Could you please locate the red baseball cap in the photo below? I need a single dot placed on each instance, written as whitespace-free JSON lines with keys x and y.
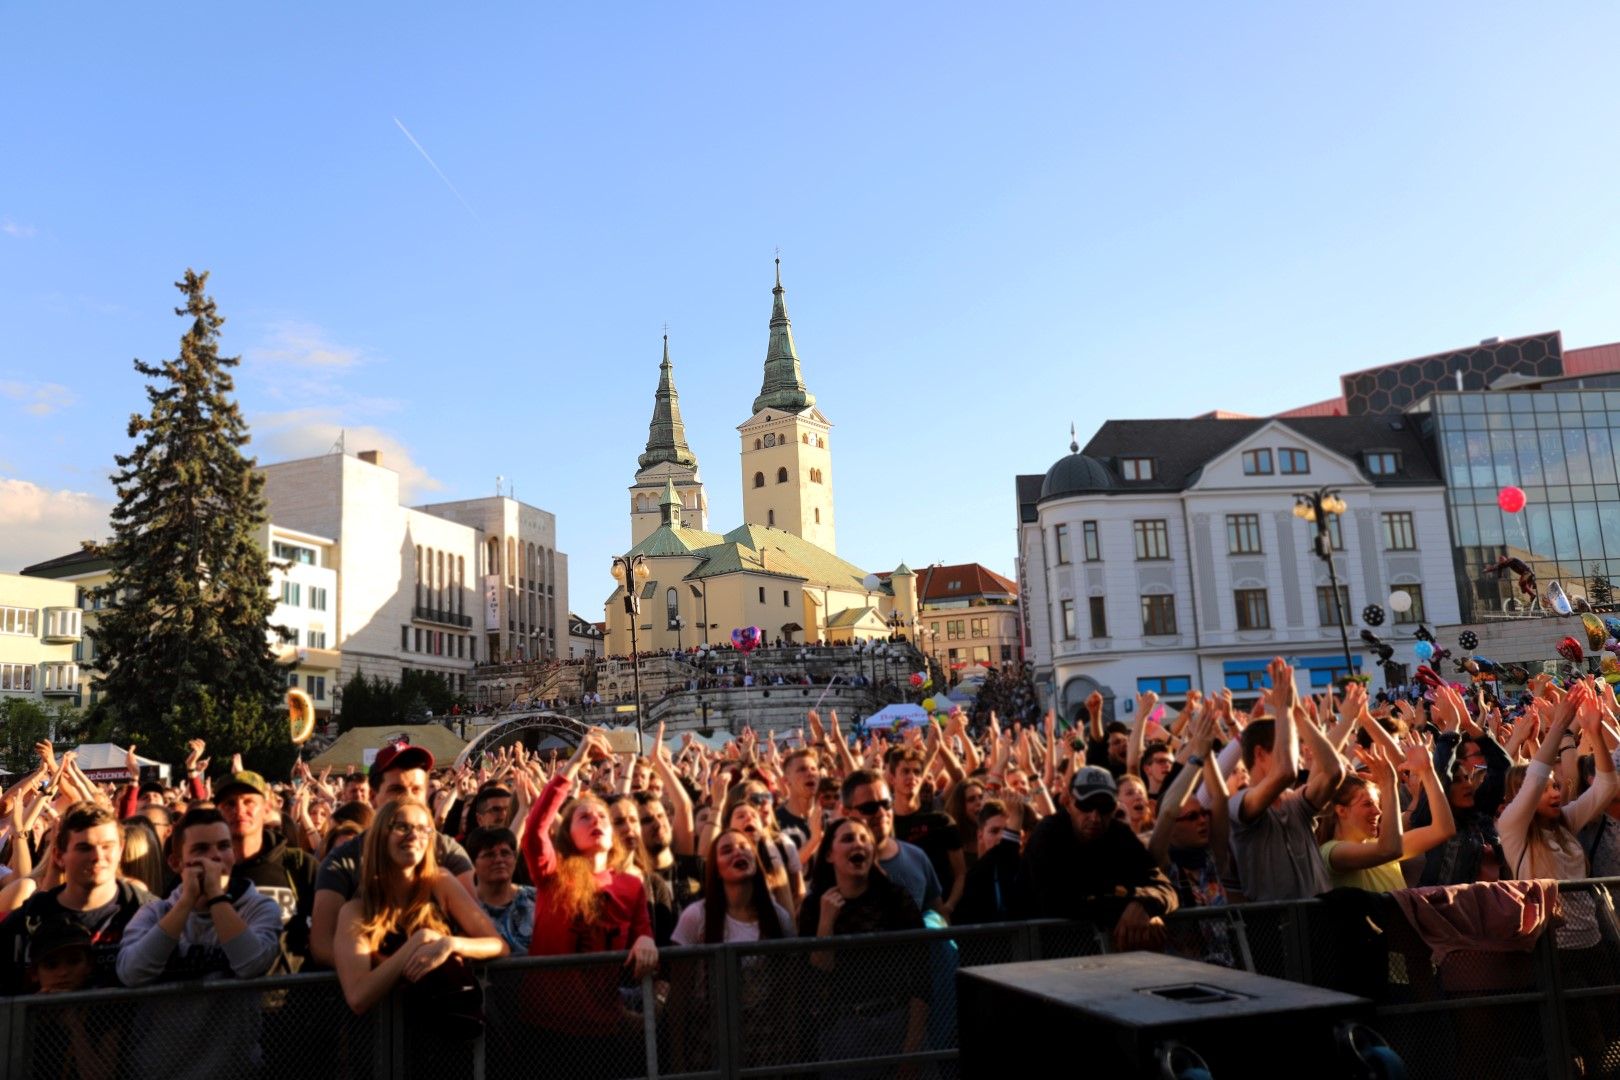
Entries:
{"x":399,"y":754}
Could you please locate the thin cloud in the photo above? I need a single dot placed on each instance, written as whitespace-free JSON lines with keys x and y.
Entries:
{"x":17,"y":229}
{"x":305,"y":346}
{"x":314,"y":432}
{"x":39,"y":399}
{"x":37,"y":523}
{"x":425,"y":157}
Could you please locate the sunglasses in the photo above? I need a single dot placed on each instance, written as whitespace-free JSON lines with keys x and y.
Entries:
{"x":1100,"y":804}
{"x":867,"y":809}
{"x":762,"y":798}
{"x":1192,"y":816}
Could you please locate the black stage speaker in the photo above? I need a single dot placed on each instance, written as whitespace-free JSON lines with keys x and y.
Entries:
{"x":1119,"y":1015}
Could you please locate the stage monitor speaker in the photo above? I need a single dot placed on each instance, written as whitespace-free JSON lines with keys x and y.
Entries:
{"x":1117,"y":1015}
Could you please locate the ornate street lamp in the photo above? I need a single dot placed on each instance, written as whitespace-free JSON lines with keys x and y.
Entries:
{"x":630,"y":571}
{"x":1315,"y":507}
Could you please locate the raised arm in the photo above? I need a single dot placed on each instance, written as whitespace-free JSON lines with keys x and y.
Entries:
{"x":1327,"y":767}
{"x":1387,"y":848}
{"x":682,"y":832}
{"x":1282,"y":697}
{"x":1440,"y":826}
{"x":1145,"y":703}
{"x":1179,"y":794}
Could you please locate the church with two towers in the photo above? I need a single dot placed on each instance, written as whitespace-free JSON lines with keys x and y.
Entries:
{"x":779,"y":570}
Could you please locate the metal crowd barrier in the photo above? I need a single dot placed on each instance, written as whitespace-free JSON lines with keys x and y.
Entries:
{"x":853,"y":1006}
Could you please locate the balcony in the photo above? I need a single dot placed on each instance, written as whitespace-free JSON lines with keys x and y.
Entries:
{"x":59,"y":678}
{"x":443,"y":618}
{"x":63,"y":625}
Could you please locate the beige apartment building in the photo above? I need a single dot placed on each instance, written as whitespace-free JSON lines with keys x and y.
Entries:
{"x":969,"y":617}
{"x":40,"y":626}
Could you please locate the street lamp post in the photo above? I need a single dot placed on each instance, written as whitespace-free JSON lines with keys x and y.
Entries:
{"x":678,"y":622}
{"x":1315,"y":507}
{"x":630,"y":571}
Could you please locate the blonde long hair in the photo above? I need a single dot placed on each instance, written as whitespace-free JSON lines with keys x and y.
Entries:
{"x":383,"y":882}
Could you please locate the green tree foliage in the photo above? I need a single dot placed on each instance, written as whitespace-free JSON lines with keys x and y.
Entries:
{"x":377,"y":702}
{"x":24,"y":723}
{"x":1599,"y":590}
{"x":184,"y":649}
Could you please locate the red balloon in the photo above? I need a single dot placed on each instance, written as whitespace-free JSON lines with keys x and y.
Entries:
{"x":1510,"y":499}
{"x":1570,"y":650}
{"x":916,"y":680}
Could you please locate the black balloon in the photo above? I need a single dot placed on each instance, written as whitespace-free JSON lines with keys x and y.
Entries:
{"x":1372,"y":615}
{"x":1422,"y":634}
{"x":1469,"y":640}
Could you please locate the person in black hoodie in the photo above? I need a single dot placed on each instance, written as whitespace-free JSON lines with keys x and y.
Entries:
{"x":1085,"y":864}
{"x":992,"y":880}
{"x":281,"y":871}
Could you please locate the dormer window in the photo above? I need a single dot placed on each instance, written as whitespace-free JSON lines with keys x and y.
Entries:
{"x":1257,"y":462}
{"x":1294,"y":462}
{"x":1136,"y":468}
{"x":1383,"y":462}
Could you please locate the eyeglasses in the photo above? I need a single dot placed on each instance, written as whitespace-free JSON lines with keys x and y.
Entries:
{"x":1192,"y":816}
{"x":1101,"y":804}
{"x":761,"y":798}
{"x":405,"y":828}
{"x":872,"y":806}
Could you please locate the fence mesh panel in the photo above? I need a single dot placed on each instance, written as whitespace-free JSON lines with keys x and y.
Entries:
{"x":582,"y":1020}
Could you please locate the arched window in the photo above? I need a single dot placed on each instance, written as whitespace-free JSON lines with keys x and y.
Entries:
{"x":758,"y":445}
{"x":820,"y":442}
{"x":781,"y":476}
{"x":806,"y":438}
{"x":759,"y":479}
{"x":672,"y":606}
{"x":770,"y":517}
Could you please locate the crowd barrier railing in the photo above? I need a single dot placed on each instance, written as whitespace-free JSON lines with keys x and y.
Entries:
{"x":862,"y":1005}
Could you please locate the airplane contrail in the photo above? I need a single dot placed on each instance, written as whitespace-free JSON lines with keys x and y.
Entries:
{"x":428,"y":158}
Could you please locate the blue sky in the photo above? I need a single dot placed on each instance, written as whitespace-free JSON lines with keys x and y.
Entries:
{"x":993,"y":222}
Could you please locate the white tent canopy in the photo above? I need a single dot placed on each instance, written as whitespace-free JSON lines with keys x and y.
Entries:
{"x":105,"y":761}
{"x":902,"y":714}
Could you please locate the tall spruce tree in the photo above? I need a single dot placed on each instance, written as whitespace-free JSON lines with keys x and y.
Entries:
{"x":184,"y":652}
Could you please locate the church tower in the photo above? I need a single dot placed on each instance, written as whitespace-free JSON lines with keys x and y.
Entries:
{"x":786,"y":453}
{"x":668,"y":465}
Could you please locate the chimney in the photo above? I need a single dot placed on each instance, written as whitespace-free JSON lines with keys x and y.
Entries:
{"x":372,"y":457}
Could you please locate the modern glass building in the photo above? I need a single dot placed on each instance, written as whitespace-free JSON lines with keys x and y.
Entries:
{"x":1558,"y":439}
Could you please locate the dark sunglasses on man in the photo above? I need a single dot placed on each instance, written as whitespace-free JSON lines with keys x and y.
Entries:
{"x":872,"y":806}
{"x":1097,"y":804}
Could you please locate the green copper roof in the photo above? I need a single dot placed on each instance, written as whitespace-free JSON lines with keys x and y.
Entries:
{"x":903,"y":571}
{"x":783,"y":387}
{"x":666,"y":435}
{"x":674,"y":540}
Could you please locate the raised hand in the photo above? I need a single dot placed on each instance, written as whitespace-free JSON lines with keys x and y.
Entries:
{"x":194,"y":754}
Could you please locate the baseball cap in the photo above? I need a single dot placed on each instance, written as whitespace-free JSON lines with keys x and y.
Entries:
{"x":1090,"y":781}
{"x":55,"y":935}
{"x":399,"y":754}
{"x":245,"y":780}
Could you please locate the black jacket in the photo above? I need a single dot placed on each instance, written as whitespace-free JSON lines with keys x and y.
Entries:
{"x":991,"y":886}
{"x":286,"y":874}
{"x":1062,"y":878}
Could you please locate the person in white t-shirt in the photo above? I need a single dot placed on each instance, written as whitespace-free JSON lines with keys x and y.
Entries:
{"x":737,"y":903}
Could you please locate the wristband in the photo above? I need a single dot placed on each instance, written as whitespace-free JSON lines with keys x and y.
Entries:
{"x":220,"y":899}
{"x":1195,"y":760}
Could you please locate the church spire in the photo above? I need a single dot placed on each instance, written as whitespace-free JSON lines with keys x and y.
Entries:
{"x":666,"y":434}
{"x":783,"y":387}
{"x":670,"y":505}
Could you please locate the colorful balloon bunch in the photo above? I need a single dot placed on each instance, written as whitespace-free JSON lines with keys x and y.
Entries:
{"x":748,"y":638}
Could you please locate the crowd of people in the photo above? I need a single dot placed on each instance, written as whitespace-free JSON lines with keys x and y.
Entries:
{"x":402,"y":877}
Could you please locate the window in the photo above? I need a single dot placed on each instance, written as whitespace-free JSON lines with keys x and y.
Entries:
{"x":805,"y":438}
{"x":316,"y":639}
{"x":1165,"y":685}
{"x":785,"y":601}
{"x":317,"y":598}
{"x":981,"y":654}
{"x":1136,"y":468}
{"x":290,"y":592}
{"x":955,"y":629}
{"x":1293,"y":462}
{"x":19,"y":620}
{"x":672,"y":607}
{"x":292,"y":680}
{"x":1257,"y":463}
{"x":758,"y":445}
{"x":404,"y":638}
{"x":1415,"y":613}
{"x":288,"y":637}
{"x":461,"y":646}
{"x":1253,"y":609}
{"x":418,"y":641}
{"x":1327,"y":613}
{"x":1090,"y":541}
{"x":781,"y":476}
{"x":293,"y":553}
{"x":770,"y":517}
{"x":17,"y":677}
{"x":818,"y":515}
{"x":1068,"y":620}
{"x":317,"y":686}
{"x":1158,"y":615}
{"x":1099,"y":616}
{"x":1399,"y":535}
{"x":1335,"y":533}
{"x":1062,"y":538}
{"x":1243,"y":534}
{"x":759,"y":479}
{"x":762,"y":594}
{"x":979,"y":627}
{"x":1383,"y":463}
{"x":1152,"y":539}
{"x":815,"y":476}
